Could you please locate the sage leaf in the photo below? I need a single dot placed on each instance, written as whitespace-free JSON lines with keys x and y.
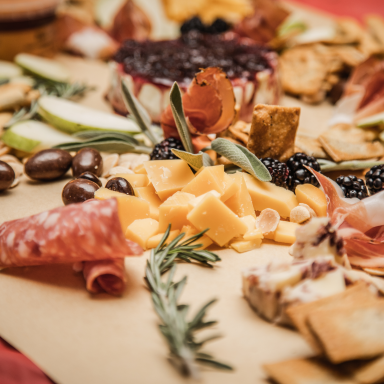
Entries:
{"x":138,"y":111}
{"x":101,"y":135}
{"x":196,"y":161}
{"x":115,"y":146}
{"x":241,"y":157}
{"x":328,"y":166}
{"x":178,"y":115}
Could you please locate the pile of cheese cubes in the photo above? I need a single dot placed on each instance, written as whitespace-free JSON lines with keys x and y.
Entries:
{"x":168,"y":192}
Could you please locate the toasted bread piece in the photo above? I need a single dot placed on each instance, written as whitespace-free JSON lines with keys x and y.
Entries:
{"x":350,"y":332}
{"x":299,"y":313}
{"x":273,"y":131}
{"x":306,"y":371}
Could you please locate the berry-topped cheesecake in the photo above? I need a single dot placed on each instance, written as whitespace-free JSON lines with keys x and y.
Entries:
{"x":151,"y":67}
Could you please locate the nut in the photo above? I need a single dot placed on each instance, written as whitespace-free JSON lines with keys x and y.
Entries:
{"x":267,"y":221}
{"x":299,"y":215}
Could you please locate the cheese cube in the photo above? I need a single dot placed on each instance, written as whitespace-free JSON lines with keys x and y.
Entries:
{"x":140,"y":169}
{"x":250,"y":222}
{"x":197,"y":200}
{"x":135,"y":180}
{"x":286,"y":232}
{"x":149,"y":194}
{"x":267,"y":195}
{"x":155,"y":240}
{"x":210,"y":178}
{"x":174,"y":211}
{"x":190,"y":231}
{"x":168,"y":176}
{"x":230,"y":187}
{"x":241,"y":246}
{"x":223,"y":224}
{"x":240,"y":203}
{"x":254,"y":235}
{"x":130,"y":208}
{"x":312,"y":196}
{"x":141,"y":230}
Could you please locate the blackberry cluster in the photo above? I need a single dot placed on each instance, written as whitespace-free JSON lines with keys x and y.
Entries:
{"x":279,"y":171}
{"x":375,"y":179}
{"x":352,"y":186}
{"x":298,"y":174}
{"x":195,"y":24}
{"x":162,"y":151}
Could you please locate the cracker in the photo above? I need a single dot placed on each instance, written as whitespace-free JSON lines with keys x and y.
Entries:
{"x":299,"y":313}
{"x":306,"y":371}
{"x":238,"y":134}
{"x":345,"y":142}
{"x":350,"y":332}
{"x":376,"y":28}
{"x":273,"y":131}
{"x":310,"y":146}
{"x":370,"y":372}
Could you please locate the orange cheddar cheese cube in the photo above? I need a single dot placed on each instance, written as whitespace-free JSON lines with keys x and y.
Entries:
{"x":223,"y":224}
{"x":174,"y":211}
{"x":230,"y":188}
{"x":267,"y":195}
{"x":240,"y":203}
{"x":136,"y":181}
{"x":241,"y":246}
{"x":286,"y":232}
{"x":130,"y":208}
{"x":149,"y":194}
{"x":190,"y":231}
{"x":154,"y":241}
{"x":140,"y":169}
{"x":168,"y":176}
{"x":141,"y":230}
{"x":312,"y":196}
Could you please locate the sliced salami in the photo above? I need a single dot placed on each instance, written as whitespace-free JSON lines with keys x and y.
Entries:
{"x":77,"y":232}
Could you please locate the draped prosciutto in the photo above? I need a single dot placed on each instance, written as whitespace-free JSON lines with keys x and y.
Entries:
{"x":89,"y":232}
{"x":209,"y":107}
{"x":359,"y":222}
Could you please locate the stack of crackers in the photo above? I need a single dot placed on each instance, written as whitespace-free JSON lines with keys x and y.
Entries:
{"x":345,"y":330}
{"x":310,"y":70}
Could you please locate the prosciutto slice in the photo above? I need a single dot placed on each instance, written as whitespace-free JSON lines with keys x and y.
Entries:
{"x":209,"y":107}
{"x":359,"y":222}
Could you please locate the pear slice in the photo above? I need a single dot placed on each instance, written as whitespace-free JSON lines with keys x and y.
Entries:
{"x":370,"y":121}
{"x":72,"y":117}
{"x":33,"y":136}
{"x":9,"y":70}
{"x":46,"y":68}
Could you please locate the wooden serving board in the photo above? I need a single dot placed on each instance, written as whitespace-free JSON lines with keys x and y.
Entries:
{"x":76,"y":337}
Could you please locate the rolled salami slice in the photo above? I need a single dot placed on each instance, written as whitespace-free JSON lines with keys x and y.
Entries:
{"x":76,"y":232}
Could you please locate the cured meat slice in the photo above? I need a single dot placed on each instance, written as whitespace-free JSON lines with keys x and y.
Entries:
{"x":209,"y":106}
{"x":78,"y":232}
{"x":360,"y":224}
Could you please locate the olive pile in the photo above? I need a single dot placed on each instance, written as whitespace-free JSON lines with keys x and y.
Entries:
{"x":7,"y":176}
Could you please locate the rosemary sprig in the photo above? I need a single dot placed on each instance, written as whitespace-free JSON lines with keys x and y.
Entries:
{"x":178,"y":332}
{"x":51,"y":88}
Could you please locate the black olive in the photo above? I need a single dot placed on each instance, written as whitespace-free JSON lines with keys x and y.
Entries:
{"x":7,"y":176}
{"x":92,"y":177}
{"x":119,"y":184}
{"x":78,"y":191}
{"x":87,"y":160}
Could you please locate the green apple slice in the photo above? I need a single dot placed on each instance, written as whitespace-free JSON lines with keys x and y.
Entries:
{"x":9,"y":70}
{"x":42,"y":67}
{"x":33,"y":136}
{"x":72,"y":117}
{"x":377,"y":119}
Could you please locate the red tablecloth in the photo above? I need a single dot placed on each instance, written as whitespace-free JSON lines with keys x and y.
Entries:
{"x":15,"y":368}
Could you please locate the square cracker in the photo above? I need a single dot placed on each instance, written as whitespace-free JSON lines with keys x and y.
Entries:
{"x":344,"y":142}
{"x":350,"y":332}
{"x":299,"y":313}
{"x":306,"y":371}
{"x":310,"y":146}
{"x":273,"y":131}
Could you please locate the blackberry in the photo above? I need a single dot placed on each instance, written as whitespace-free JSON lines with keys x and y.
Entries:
{"x":162,"y":151}
{"x":352,"y":186}
{"x":279,"y":171}
{"x":195,"y":24}
{"x":298,"y":174}
{"x":375,"y":179}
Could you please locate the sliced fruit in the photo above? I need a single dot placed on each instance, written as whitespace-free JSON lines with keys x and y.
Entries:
{"x":33,"y":136}
{"x":9,"y":70}
{"x":72,"y":117}
{"x":42,"y":67}
{"x":377,"y":119}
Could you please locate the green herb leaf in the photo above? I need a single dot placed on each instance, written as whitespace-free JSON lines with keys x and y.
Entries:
{"x":115,"y":146}
{"x":138,"y":112}
{"x":196,"y":161}
{"x":328,"y":166}
{"x":178,"y":115}
{"x":102,"y":135}
{"x":241,"y":157}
